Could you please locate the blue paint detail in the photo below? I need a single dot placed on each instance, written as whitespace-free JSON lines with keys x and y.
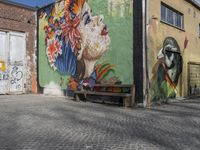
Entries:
{"x":62,"y":20}
{"x":66,"y":62}
{"x":93,"y":75}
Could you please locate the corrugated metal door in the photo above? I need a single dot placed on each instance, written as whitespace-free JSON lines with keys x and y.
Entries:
{"x":17,"y":49}
{"x":4,"y":69}
{"x":12,"y":62}
{"x":194,"y":79}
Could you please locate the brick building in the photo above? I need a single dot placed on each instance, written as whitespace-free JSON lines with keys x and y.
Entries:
{"x":17,"y":48}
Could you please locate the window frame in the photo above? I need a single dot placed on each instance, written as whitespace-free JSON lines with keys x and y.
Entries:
{"x":174,"y":11}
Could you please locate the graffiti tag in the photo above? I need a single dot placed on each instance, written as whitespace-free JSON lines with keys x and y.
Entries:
{"x":16,"y":76}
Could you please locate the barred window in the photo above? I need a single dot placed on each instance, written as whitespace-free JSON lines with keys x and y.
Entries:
{"x":171,"y":16}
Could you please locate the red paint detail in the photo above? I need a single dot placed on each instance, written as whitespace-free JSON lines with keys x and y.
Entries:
{"x":104,"y":31}
{"x":103,"y":72}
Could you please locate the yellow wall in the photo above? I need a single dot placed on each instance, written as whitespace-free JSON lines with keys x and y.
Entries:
{"x":158,"y":31}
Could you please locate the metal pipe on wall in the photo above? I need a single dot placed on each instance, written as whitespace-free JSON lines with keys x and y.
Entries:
{"x":146,"y":59}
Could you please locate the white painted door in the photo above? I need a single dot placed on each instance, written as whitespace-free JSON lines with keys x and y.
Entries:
{"x":17,"y":51}
{"x":4,"y":70}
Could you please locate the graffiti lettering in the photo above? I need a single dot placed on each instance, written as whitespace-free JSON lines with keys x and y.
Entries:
{"x":16,"y":75}
{"x":18,"y":87}
{"x":4,"y":76}
{"x":2,"y":66}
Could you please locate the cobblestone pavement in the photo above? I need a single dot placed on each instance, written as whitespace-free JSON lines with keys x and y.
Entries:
{"x":36,"y":122}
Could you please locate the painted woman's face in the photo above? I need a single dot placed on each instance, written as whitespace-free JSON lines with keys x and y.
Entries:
{"x":94,"y":34}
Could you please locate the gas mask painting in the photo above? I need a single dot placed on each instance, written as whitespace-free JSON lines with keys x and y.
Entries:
{"x":166,"y":71}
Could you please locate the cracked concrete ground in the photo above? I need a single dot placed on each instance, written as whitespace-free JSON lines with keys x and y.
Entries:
{"x":36,"y":122}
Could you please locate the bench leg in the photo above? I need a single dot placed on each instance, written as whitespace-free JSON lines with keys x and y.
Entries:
{"x":85,"y":97}
{"x":77,"y":97}
{"x":80,"y":97}
{"x":126,"y":101}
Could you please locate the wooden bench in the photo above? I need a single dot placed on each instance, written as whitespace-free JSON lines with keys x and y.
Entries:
{"x":128,"y":97}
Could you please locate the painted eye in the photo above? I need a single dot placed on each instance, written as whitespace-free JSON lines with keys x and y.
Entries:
{"x":87,"y":20}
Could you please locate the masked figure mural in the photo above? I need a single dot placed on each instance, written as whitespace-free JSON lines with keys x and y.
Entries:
{"x":75,"y":41}
{"x":166,"y":71}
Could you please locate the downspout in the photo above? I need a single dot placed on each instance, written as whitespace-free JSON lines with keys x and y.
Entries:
{"x":146,"y":35}
{"x":39,"y":89}
{"x":36,"y":52}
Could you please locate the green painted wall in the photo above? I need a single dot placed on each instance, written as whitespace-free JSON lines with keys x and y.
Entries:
{"x":118,"y":15}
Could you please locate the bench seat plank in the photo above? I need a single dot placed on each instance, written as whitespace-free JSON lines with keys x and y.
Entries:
{"x":103,"y":93}
{"x":114,"y":85}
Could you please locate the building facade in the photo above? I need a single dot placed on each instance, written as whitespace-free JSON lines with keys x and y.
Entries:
{"x":152,"y":44}
{"x":171,"y":56}
{"x":18,"y":72}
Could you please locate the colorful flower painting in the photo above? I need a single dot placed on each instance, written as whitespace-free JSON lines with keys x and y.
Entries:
{"x":75,"y":41}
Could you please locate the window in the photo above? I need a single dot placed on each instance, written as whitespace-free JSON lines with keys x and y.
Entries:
{"x":171,"y":16}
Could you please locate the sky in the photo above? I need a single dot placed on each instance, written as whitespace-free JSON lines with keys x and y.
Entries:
{"x":34,"y":3}
{"x":40,"y":3}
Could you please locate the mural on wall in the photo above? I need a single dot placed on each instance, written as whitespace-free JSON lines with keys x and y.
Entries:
{"x":166,"y":71}
{"x":75,"y":40}
{"x":75,"y":47}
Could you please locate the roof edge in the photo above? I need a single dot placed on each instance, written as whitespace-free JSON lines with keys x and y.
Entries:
{"x":18,"y":5}
{"x":194,"y":3}
{"x":47,"y":5}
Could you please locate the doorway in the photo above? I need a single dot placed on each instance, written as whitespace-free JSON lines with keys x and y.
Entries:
{"x":194,"y":79}
{"x":12,"y":62}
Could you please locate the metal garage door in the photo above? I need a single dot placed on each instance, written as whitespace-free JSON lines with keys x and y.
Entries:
{"x":194,"y":78}
{"x":12,"y":62}
{"x":4,"y":72}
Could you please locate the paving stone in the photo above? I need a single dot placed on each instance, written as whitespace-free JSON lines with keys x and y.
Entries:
{"x":37,"y":122}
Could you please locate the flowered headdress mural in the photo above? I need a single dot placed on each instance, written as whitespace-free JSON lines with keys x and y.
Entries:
{"x":75,"y":39}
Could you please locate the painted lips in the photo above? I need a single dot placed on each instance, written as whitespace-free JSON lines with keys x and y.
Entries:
{"x":104,"y":31}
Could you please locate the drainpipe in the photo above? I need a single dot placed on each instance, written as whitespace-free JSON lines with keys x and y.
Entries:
{"x":146,"y":59}
{"x":39,"y":88}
